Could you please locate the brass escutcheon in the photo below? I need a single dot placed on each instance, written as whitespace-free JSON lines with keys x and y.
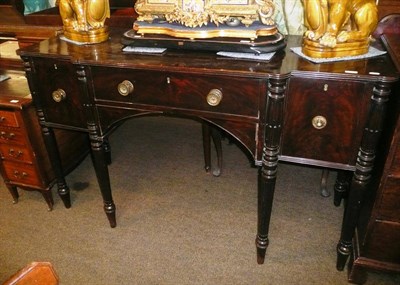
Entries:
{"x":319,"y":122}
{"x":59,"y":95}
{"x":125,"y":88}
{"x":214,"y":97}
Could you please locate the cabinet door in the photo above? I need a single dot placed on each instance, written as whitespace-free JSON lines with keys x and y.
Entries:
{"x":58,"y":92}
{"x":324,"y":119}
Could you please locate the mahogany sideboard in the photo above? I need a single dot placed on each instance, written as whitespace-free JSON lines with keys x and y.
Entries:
{"x":287,"y":109}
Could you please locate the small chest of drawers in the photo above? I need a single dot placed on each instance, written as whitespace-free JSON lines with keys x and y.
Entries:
{"x":24,"y":160}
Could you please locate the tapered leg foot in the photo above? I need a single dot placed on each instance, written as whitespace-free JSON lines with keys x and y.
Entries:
{"x":343,"y":252}
{"x":261,"y":244}
{"x":65,"y":196}
{"x":48,"y":197}
{"x":109,"y":209}
{"x":14,"y":193}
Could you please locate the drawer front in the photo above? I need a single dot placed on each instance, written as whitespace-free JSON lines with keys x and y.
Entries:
{"x":15,"y":152}
{"x":395,"y":169}
{"x":383,"y":243}
{"x":56,"y":79}
{"x":389,"y":205}
{"x":8,"y":119}
{"x":324,"y":119}
{"x":182,"y":91}
{"x":21,"y":173}
{"x":11,"y":136}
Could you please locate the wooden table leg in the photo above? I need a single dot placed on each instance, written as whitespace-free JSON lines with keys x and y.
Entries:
{"x":266,"y":188}
{"x":364,"y":167}
{"x":341,"y":188}
{"x":212,"y":132}
{"x":52,"y":149}
{"x":100,"y":163}
{"x":267,"y":173}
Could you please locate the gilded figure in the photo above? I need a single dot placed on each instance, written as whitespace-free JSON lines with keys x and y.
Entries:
{"x":84,"y":20}
{"x":340,"y":24}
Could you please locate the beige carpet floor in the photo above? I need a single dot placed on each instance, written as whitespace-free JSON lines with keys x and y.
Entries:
{"x":176,"y":224}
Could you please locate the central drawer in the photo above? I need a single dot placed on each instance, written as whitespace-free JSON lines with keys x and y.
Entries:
{"x":222,"y":94}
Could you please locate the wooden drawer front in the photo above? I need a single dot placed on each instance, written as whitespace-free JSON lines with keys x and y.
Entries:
{"x":341,"y":103}
{"x":15,"y":152}
{"x":389,"y":207}
{"x":175,"y":90}
{"x":21,"y":173}
{"x":383,"y":243}
{"x":56,"y":76}
{"x":8,"y":119}
{"x":11,"y":136}
{"x":395,"y":169}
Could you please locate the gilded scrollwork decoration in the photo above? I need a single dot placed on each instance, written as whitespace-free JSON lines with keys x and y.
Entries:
{"x":227,"y":16}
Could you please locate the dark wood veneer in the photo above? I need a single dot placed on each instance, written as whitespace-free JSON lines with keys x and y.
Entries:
{"x":266,"y":106}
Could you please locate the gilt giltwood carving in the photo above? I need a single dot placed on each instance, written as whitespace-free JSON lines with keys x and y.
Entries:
{"x":337,"y":28}
{"x":206,"y":18}
{"x":83,"y":20}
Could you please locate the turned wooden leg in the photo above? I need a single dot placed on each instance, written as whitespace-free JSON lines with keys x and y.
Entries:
{"x":266,"y":188}
{"x":268,"y":170}
{"x":100,"y":163}
{"x":48,"y":197}
{"x":208,"y":133}
{"x":341,"y":187}
{"x":107,"y":151}
{"x":362,"y":174}
{"x":14,"y":193}
{"x":324,"y":181}
{"x":206,"y":146}
{"x":52,"y":149}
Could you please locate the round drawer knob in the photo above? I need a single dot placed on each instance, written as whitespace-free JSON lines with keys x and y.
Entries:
{"x":59,"y":95}
{"x":319,"y":122}
{"x":125,"y":88}
{"x":214,"y":97}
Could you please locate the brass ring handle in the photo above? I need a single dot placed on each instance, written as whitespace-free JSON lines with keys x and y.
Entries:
{"x":125,"y":88}
{"x":20,"y":175}
{"x":12,"y":152}
{"x":214,"y":97}
{"x":4,"y":135}
{"x":319,"y":122}
{"x":59,"y":95}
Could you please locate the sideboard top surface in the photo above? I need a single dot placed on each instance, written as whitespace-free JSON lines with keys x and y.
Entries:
{"x":282,"y":63}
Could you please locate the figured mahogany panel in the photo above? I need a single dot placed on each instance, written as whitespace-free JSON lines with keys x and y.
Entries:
{"x":55,"y":75}
{"x":179,"y":91}
{"x":342,"y":103}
